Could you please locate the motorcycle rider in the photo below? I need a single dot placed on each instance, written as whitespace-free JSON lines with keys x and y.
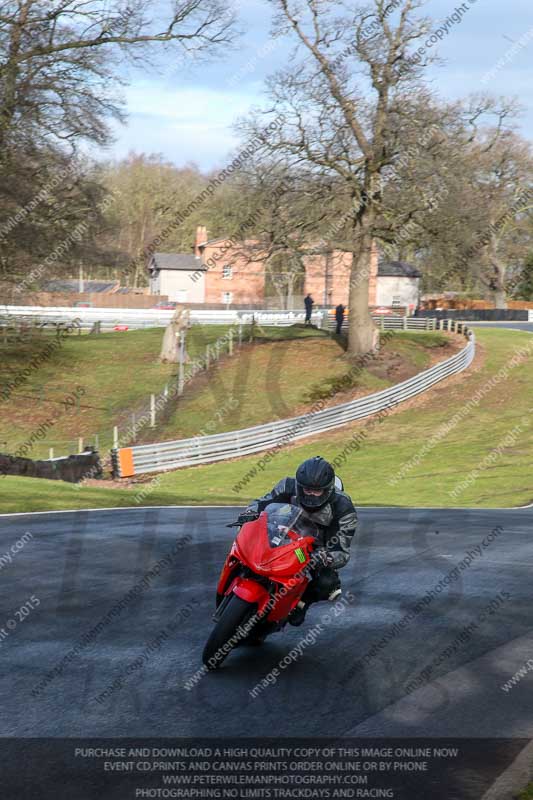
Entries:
{"x":313,"y":489}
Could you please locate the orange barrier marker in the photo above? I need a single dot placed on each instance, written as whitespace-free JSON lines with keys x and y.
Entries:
{"x":125,"y":462}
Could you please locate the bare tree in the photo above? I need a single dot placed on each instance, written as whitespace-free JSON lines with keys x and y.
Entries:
{"x":61,"y":69}
{"x":480,"y":223}
{"x":503,"y":177}
{"x":58,"y":59}
{"x":286,"y":208}
{"x":151,"y":189}
{"x":343,"y":105}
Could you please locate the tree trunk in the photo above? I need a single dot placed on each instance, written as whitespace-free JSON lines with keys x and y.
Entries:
{"x":498,"y":270}
{"x":140,"y":261}
{"x":290,"y":293}
{"x":363,"y":336}
{"x":170,"y":347}
{"x":279,"y":288}
{"x":10,"y":76}
{"x":500,"y":298}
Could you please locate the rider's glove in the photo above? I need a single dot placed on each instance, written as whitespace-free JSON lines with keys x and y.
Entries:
{"x":321,"y":558}
{"x":247,"y":516}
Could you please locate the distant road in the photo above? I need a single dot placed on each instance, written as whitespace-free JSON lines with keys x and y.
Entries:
{"x":516,"y":326}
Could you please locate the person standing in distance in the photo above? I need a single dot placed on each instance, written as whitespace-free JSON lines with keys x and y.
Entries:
{"x":339,"y":317}
{"x":309,"y":303}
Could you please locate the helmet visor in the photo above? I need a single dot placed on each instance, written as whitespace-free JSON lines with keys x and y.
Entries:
{"x":313,"y":496}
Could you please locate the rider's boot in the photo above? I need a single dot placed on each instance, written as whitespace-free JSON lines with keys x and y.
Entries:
{"x":297,"y":615}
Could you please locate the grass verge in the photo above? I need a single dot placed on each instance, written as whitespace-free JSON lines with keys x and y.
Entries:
{"x":116,"y":373}
{"x":371,"y":467}
{"x":283,"y":377}
{"x":110,"y":378}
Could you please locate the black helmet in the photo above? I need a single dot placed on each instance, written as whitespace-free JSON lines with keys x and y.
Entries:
{"x":315,"y":482}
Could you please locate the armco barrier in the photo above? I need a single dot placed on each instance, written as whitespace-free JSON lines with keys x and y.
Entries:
{"x":146,"y":458}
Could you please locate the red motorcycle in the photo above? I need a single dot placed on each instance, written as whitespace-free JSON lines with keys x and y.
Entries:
{"x":263,"y":579}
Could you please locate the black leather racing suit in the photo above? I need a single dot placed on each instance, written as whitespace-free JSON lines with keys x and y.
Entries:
{"x":337,"y":521}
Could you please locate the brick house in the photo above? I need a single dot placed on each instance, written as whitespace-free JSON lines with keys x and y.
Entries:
{"x":216,"y":273}
{"x":221,"y":272}
{"x":327,"y":277}
{"x":231,"y":277}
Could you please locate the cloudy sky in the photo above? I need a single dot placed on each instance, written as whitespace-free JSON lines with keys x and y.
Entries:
{"x":185,"y":111}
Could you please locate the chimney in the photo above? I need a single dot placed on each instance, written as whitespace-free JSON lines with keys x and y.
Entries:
{"x":201,"y":238}
{"x":373,"y":279}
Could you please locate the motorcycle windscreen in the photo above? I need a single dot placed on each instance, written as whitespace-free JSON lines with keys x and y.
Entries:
{"x":282,"y":518}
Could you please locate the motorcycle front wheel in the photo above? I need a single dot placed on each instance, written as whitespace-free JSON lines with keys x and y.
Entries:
{"x":231,"y":629}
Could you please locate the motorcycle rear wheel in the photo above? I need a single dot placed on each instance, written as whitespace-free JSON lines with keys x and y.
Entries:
{"x":224,"y":636}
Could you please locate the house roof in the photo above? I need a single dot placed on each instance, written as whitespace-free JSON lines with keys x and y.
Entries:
{"x":397,"y":269}
{"x":184,"y":261}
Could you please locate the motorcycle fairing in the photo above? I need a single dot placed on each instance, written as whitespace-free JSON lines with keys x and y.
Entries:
{"x":253,"y":548}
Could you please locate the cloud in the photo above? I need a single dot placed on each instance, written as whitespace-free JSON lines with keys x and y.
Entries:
{"x":185,"y":124}
{"x":187,"y":112}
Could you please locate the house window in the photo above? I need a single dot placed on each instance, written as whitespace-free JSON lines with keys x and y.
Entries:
{"x":227,"y":297}
{"x":396,"y":301}
{"x":227,"y":271}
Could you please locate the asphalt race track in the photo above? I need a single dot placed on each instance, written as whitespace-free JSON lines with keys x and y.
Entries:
{"x":516,"y":326}
{"x":80,"y":565}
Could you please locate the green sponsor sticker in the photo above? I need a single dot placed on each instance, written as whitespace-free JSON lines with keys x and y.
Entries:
{"x":300,"y":555}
